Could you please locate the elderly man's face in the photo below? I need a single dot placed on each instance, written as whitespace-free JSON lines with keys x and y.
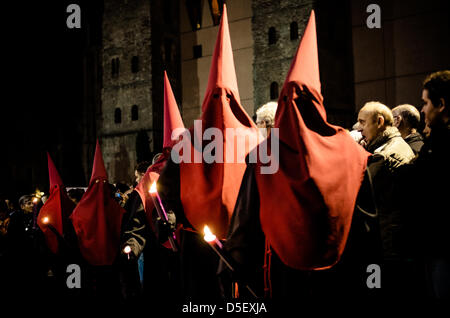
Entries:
{"x":368,"y":125}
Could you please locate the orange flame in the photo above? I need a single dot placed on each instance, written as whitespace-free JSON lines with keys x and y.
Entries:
{"x":209,"y":236}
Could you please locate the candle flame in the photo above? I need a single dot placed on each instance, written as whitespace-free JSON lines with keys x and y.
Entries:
{"x":209,"y":236}
{"x":45,"y":220}
{"x":127,"y":249}
{"x":153,"y":187}
{"x":35,"y":200}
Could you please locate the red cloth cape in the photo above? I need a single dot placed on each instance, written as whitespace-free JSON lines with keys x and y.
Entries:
{"x":209,"y":190}
{"x":56,"y":209}
{"x":98,"y":217}
{"x":306,"y":207}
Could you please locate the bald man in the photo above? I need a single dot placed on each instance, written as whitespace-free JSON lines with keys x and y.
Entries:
{"x":378,"y":195}
{"x":407,"y":120}
{"x":376,"y":124}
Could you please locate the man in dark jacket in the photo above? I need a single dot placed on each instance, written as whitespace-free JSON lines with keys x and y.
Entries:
{"x":432,"y":170}
{"x":390,"y":152}
{"x":407,"y":121}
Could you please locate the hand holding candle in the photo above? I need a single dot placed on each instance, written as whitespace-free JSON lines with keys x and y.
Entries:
{"x":162,"y":213}
{"x":217,"y":246}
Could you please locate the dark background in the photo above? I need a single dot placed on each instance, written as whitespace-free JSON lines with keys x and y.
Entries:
{"x":43,"y":91}
{"x":50,"y":85}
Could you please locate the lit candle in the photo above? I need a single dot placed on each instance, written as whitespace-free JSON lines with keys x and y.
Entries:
{"x":162,"y":213}
{"x":45,"y":220}
{"x":215,"y":245}
{"x":127,"y":250}
{"x":210,"y":237}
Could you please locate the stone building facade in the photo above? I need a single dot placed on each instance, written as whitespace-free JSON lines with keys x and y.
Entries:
{"x":126,"y":119}
{"x":357,"y":64}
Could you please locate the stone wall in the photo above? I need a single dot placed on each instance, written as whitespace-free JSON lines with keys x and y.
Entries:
{"x":126,"y":34}
{"x":272,"y":61}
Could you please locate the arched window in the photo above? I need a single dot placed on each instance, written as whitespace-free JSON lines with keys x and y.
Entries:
{"x":135,"y":64}
{"x":274,"y":90}
{"x":134,"y":112}
{"x":115,"y":65}
{"x":216,"y":7}
{"x":117,"y":116}
{"x":272,"y":35}
{"x":294,"y":30}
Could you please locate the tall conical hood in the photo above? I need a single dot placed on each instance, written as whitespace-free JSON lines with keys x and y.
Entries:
{"x":172,"y":121}
{"x":209,"y":189}
{"x":305,"y":66}
{"x":320,"y":172}
{"x":54,"y":178}
{"x":172,"y":117}
{"x":54,"y":215}
{"x":98,"y":168}
{"x":98,"y":217}
{"x":222,"y":72}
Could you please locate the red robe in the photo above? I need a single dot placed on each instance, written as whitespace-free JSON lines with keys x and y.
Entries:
{"x":56,"y":210}
{"x":97,"y":218}
{"x":306,"y":207}
{"x":209,"y":190}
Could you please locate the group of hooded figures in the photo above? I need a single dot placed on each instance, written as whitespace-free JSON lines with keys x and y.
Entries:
{"x":308,"y":231}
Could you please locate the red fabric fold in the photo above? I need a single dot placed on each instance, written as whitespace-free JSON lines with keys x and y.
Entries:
{"x":320,"y":171}
{"x":172,"y":121}
{"x":209,"y":190}
{"x":56,"y":210}
{"x":97,"y":218}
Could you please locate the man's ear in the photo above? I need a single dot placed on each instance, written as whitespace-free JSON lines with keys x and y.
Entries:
{"x":380,"y":121}
{"x":441,"y":104}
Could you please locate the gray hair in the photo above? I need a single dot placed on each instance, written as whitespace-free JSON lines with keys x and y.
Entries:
{"x":409,"y":114}
{"x":266,"y":113}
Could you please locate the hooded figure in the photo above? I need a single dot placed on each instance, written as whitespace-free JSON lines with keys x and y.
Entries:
{"x":302,"y":211}
{"x":172,"y":121}
{"x":159,"y":270}
{"x":321,"y":171}
{"x":209,"y":190}
{"x":204,"y":193}
{"x":54,"y":215}
{"x":97,"y":218}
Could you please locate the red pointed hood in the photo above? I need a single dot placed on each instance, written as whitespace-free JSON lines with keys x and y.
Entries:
{"x":97,"y":218}
{"x":172,"y":117}
{"x":209,"y":190}
{"x":55,"y":179}
{"x":320,"y":172}
{"x":304,"y":68}
{"x":56,"y":210}
{"x":172,"y":121}
{"x":98,"y":168}
{"x":222,"y":72}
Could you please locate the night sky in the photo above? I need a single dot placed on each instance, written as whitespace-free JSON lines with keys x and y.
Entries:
{"x":43,"y":86}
